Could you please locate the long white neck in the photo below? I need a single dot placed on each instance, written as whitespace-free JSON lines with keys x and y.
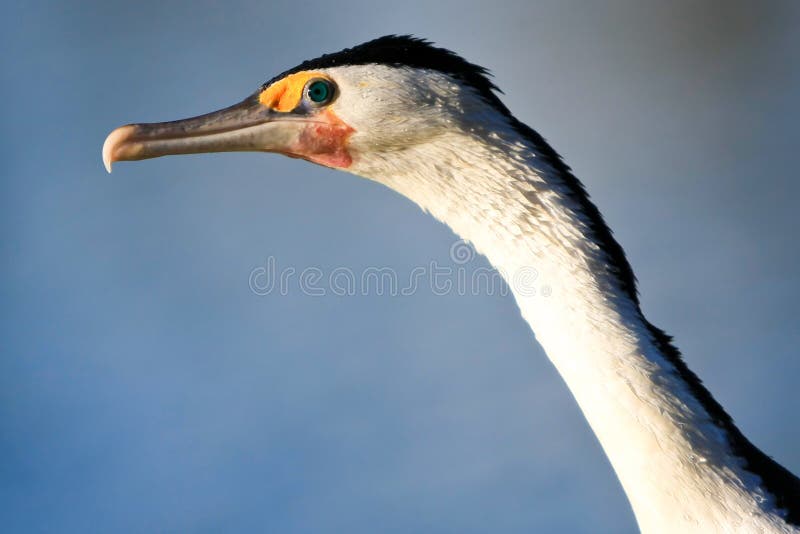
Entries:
{"x":516,"y":206}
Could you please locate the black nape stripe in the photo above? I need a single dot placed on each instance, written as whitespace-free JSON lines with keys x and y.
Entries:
{"x":412,"y":52}
{"x":775,"y":479}
{"x":782,"y":484}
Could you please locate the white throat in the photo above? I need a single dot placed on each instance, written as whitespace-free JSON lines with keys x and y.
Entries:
{"x":675,"y":464}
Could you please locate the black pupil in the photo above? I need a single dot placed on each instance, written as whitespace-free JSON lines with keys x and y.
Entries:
{"x":318,"y":91}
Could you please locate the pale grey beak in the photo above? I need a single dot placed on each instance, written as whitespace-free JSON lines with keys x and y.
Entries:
{"x":246,"y":126}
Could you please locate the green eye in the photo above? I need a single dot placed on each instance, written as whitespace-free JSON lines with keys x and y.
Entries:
{"x":320,"y":91}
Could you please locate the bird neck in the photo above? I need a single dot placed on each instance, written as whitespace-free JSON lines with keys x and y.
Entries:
{"x":511,"y":196}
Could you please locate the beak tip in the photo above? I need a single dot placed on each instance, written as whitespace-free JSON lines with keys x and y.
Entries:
{"x":114,"y":140}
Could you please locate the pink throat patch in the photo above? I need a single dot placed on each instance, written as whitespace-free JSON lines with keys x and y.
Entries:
{"x":325,"y":143}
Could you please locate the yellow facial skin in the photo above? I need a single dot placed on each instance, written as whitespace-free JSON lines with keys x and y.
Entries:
{"x":286,"y":94}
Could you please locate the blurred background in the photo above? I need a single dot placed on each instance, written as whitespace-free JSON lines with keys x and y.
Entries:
{"x":143,"y":385}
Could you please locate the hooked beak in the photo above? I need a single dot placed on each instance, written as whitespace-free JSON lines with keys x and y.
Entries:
{"x":246,"y":126}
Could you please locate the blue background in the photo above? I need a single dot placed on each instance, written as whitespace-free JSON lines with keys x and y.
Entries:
{"x":144,"y":387}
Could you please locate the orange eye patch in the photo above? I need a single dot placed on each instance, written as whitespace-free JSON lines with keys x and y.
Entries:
{"x":286,"y":94}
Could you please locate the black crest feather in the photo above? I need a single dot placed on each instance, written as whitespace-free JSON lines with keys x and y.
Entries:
{"x":406,"y":51}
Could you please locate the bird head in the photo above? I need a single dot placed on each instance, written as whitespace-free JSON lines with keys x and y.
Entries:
{"x":349,"y":110}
